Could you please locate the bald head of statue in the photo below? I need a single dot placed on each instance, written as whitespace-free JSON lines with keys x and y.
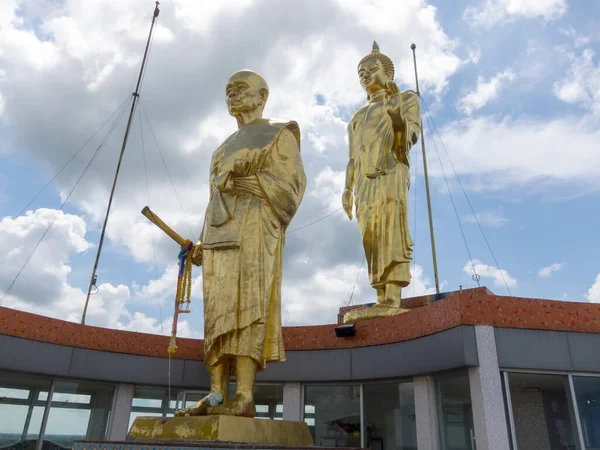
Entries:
{"x":246,"y":93}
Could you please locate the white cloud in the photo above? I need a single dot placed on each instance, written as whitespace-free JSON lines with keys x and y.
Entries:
{"x":43,"y":286}
{"x":582,"y":83}
{"x":484,"y":92}
{"x":593,"y":293}
{"x":492,"y":218}
{"x":493,"y":12}
{"x":578,"y":39}
{"x":501,"y":153}
{"x":203,"y":17}
{"x":328,"y":189}
{"x":500,"y":277}
{"x":318,"y":300}
{"x":545,"y":272}
{"x":142,"y":323}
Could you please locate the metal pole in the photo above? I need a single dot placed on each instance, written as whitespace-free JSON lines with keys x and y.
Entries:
{"x":135,"y":95}
{"x":435,"y":268}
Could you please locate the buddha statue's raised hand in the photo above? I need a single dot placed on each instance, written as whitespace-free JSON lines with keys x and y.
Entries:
{"x":393,"y":102}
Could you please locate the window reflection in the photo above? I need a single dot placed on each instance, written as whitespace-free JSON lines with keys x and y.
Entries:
{"x":79,"y":410}
{"x":21,"y":410}
{"x":587,"y":390}
{"x":332,"y":414}
{"x":455,"y":412}
{"x":389,"y":415}
{"x":269,"y":401}
{"x":156,"y":402}
{"x":542,"y":411}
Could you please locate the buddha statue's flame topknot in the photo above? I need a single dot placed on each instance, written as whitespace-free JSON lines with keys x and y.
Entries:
{"x":387,"y":63}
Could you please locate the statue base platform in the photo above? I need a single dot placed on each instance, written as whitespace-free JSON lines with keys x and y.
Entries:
{"x":372,"y":312}
{"x":221,"y":429}
{"x":153,"y":445}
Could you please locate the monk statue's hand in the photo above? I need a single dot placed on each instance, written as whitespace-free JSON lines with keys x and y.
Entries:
{"x":347,"y":200}
{"x":241,"y":168}
{"x":394,"y":107}
{"x":197,"y":254}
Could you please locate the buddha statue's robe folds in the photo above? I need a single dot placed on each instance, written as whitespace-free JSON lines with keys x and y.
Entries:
{"x":381,"y":183}
{"x":243,"y":240}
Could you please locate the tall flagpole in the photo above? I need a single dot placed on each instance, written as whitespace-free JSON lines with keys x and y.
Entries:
{"x":135,"y":96}
{"x":435,"y":268}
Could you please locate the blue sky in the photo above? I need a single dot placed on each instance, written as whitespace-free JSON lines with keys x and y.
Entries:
{"x":513,"y":88}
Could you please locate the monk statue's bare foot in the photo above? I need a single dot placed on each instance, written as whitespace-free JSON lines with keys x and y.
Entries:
{"x":240,"y":405}
{"x":201,"y":407}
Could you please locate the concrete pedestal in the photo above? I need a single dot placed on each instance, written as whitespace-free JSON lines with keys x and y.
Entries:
{"x":221,"y":429}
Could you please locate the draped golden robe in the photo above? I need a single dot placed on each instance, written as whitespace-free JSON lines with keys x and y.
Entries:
{"x":381,"y":183}
{"x":243,"y":241}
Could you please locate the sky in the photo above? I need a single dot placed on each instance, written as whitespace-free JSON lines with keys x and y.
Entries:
{"x":512,"y":121}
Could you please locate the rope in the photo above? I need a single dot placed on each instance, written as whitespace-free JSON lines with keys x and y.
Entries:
{"x":169,"y":385}
{"x":162,"y":331}
{"x":62,"y":205}
{"x":351,"y":293}
{"x":468,"y":200}
{"x":166,"y":168}
{"x":316,"y":221}
{"x":64,"y":166}
{"x":475,"y":276}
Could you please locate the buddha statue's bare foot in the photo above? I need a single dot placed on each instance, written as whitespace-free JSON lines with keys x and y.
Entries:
{"x":198,"y":409}
{"x":213,"y":399}
{"x":240,"y":405}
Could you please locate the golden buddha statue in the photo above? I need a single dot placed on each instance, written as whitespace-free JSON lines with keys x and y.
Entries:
{"x":380,"y":136}
{"x":257,"y":182}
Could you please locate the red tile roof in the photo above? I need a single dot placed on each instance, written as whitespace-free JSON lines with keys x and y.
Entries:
{"x":468,"y":307}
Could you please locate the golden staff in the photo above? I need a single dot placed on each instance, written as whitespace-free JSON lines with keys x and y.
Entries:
{"x":163,"y":226}
{"x":184,"y":278}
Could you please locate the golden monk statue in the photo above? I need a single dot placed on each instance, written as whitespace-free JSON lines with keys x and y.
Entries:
{"x":380,"y":136}
{"x":257,"y":182}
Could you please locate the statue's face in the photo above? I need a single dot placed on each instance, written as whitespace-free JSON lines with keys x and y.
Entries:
{"x":243,"y":93}
{"x":372,"y":75}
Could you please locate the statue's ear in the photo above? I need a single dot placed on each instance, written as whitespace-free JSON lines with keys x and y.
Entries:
{"x":264,"y":95}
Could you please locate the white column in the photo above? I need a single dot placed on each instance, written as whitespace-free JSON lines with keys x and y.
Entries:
{"x":293,"y":401}
{"x":428,"y":435}
{"x":489,"y":418}
{"x":121,"y":409}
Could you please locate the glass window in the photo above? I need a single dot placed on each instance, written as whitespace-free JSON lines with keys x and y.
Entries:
{"x":389,"y":416}
{"x":20,"y":410}
{"x":155,"y":402}
{"x":542,"y":411}
{"x":332,"y":414}
{"x":587,"y":390}
{"x":269,"y":401}
{"x":455,"y":413}
{"x":79,"y":410}
{"x":35,"y":424}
